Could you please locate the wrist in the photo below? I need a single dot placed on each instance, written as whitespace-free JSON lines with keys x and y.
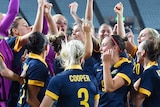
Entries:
{"x":73,"y":13}
{"x":120,"y":15}
{"x":88,"y":32}
{"x":47,"y":15}
{"x":107,"y":63}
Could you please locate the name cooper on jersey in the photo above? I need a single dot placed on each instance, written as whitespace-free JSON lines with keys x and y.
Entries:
{"x":79,"y":78}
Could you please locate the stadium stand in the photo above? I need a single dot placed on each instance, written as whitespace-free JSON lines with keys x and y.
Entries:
{"x":3,"y":6}
{"x":148,"y":11}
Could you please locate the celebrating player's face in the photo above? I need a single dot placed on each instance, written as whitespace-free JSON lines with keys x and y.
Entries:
{"x":140,"y":52}
{"x":106,"y":44}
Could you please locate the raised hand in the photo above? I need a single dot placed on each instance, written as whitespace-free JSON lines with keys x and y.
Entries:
{"x":47,"y":8}
{"x":130,"y":36}
{"x":41,"y":2}
{"x":119,"y":8}
{"x":107,"y":56}
{"x":86,"y":27}
{"x":73,"y":7}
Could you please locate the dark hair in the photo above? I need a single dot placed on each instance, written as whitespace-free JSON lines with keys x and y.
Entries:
{"x":15,"y":24}
{"x":117,"y":40}
{"x":37,"y":42}
{"x":56,"y":42}
{"x":152,"y":49}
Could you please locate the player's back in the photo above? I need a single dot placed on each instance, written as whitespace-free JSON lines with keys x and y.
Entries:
{"x":75,"y":88}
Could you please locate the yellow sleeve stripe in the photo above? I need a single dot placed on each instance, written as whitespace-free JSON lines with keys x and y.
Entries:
{"x":124,"y":76}
{"x":36,"y":83}
{"x":144,"y":91}
{"x":96,"y":97}
{"x":17,"y":46}
{"x":52,"y":95}
{"x":133,"y":53}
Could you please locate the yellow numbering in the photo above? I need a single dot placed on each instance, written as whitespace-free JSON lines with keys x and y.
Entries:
{"x":83,"y":91}
{"x":137,"y":68}
{"x":102,"y":83}
{"x":23,"y":95}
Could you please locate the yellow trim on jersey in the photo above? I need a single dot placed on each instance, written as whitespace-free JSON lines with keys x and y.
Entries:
{"x":152,"y":63}
{"x":74,"y":67}
{"x":17,"y":46}
{"x":36,"y":56}
{"x":3,"y":58}
{"x":36,"y":83}
{"x":144,"y":91}
{"x":96,"y":97}
{"x":133,"y":53}
{"x":52,"y":95}
{"x":121,"y":61}
{"x":124,"y":76}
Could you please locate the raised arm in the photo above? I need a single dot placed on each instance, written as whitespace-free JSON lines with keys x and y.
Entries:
{"x":120,"y":27}
{"x":88,"y":40}
{"x":38,"y":24}
{"x":89,"y":18}
{"x":110,"y":84}
{"x":89,"y":11}
{"x":52,"y":26}
{"x":73,"y":11}
{"x":120,"y":24}
{"x":13,"y":9}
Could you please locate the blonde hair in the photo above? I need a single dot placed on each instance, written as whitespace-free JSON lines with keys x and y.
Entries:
{"x":59,"y":15}
{"x":154,"y":33}
{"x":72,"y":52}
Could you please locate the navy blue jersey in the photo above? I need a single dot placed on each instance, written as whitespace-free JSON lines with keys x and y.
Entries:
{"x":118,"y":98}
{"x":138,"y":68}
{"x":97,"y":56}
{"x":88,"y":65}
{"x":37,"y":74}
{"x":16,"y":67}
{"x":17,"y":52}
{"x":73,"y":88}
{"x":57,"y":66}
{"x":150,"y":85}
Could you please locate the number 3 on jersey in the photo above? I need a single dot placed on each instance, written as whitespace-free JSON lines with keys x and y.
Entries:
{"x":81,"y":92}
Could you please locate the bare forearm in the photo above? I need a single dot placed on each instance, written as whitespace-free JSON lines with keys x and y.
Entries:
{"x":108,"y":82}
{"x":34,"y":103}
{"x":7,"y":73}
{"x":52,"y":25}
{"x":89,"y":10}
{"x":120,"y":26}
{"x":75,"y":17}
{"x":138,"y":99}
{"x":88,"y":45}
{"x":38,"y":24}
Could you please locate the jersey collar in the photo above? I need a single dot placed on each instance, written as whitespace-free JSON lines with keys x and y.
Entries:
{"x":74,"y":67}
{"x":36,"y":56}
